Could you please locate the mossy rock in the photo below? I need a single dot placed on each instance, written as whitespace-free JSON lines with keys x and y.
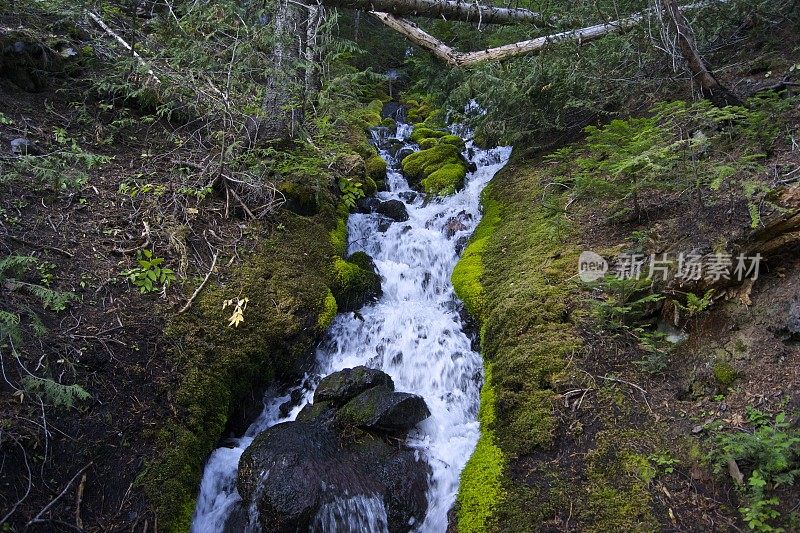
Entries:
{"x":349,"y":166}
{"x":455,"y":140}
{"x":301,"y":199}
{"x":447,"y":180}
{"x":321,"y":411}
{"x":376,"y":168}
{"x":426,"y":144}
{"x":381,"y":408}
{"x":422,"y":165}
{"x":421,"y":133}
{"x":355,"y":281}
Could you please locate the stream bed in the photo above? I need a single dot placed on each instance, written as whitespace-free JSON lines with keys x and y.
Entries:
{"x":414,"y":333}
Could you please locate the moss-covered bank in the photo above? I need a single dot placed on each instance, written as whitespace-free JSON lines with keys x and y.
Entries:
{"x":514,"y":277}
{"x":217,"y":366}
{"x":536,"y":464}
{"x":295,"y":282}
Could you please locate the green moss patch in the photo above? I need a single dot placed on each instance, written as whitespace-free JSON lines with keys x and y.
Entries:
{"x":420,"y":134}
{"x":514,"y":278}
{"x":439,"y":170}
{"x":447,"y":180}
{"x":481,"y":480}
{"x":355,"y":281}
{"x":376,"y":168}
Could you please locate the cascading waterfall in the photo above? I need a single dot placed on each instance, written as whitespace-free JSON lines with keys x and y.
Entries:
{"x":413,"y":333}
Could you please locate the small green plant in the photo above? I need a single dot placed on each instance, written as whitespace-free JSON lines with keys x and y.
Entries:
{"x":656,"y":350}
{"x":45,"y":269}
{"x":625,"y":301}
{"x":771,"y":453}
{"x":5,"y":121}
{"x":664,"y":462}
{"x":351,"y":192}
{"x":194,"y":192}
{"x":696,"y":304}
{"x":15,"y":267}
{"x":133,"y":190}
{"x":54,"y":393}
{"x":149,"y":276}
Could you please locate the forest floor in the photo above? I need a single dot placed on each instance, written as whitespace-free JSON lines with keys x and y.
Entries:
{"x":102,"y":184}
{"x":603,"y":423}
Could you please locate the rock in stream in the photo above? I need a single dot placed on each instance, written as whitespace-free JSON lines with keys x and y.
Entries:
{"x":343,"y":457}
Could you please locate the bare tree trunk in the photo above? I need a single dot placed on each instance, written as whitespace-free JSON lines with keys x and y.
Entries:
{"x":424,"y":40}
{"x":702,"y":75}
{"x":583,"y":35}
{"x":448,"y":9}
{"x":281,"y":111}
{"x":312,"y":51}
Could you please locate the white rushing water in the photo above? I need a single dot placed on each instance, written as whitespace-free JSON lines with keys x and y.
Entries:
{"x":413,"y":333}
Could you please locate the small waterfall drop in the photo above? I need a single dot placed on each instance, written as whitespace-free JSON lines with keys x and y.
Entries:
{"x":414,"y":333}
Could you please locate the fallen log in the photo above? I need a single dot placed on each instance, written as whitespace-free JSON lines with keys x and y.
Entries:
{"x":446,"y":9}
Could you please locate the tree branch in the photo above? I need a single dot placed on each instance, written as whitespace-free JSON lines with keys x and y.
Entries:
{"x":455,"y":58}
{"x":448,"y":9}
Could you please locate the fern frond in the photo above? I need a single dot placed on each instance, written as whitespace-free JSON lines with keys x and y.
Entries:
{"x":53,"y":392}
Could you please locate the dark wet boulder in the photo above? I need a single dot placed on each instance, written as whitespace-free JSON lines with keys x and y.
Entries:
{"x":384,"y":224}
{"x":297,"y":475}
{"x":367,"y":205}
{"x":380,"y":408}
{"x":393,"y":110}
{"x":394,"y":209}
{"x":402,"y":153}
{"x":346,"y":384}
{"x":294,"y":400}
{"x":356,"y":282}
{"x":319,"y":411}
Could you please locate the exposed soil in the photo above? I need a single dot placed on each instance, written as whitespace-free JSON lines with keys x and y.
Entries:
{"x":109,"y":339}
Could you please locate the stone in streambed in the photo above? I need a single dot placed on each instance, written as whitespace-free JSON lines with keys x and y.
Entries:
{"x":381,"y":408}
{"x":295,"y":473}
{"x":356,"y":282}
{"x":346,"y":384}
{"x":394,"y":209}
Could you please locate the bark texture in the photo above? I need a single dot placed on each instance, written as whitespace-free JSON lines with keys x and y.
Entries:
{"x":281,"y":108}
{"x":703,"y":77}
{"x":448,"y":9}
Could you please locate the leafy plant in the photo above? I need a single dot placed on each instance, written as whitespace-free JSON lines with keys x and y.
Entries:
{"x":14,"y":267}
{"x":696,"y":304}
{"x":625,"y":301}
{"x":656,"y":350}
{"x":351,"y":192}
{"x":772,"y":455}
{"x":664,"y":462}
{"x":149,"y":276}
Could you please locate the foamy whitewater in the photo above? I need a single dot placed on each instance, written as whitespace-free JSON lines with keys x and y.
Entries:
{"x":413,"y":333}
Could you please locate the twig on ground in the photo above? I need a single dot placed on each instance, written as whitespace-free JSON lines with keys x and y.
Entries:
{"x":38,"y":518}
{"x":199,"y":288}
{"x":634,"y":385}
